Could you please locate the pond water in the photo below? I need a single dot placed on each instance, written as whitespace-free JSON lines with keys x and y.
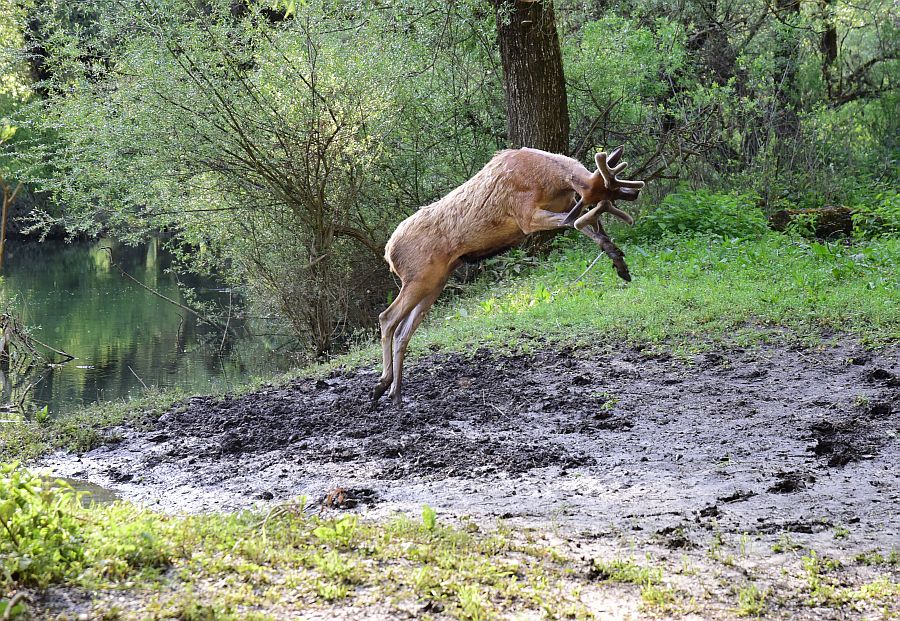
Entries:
{"x":124,"y":338}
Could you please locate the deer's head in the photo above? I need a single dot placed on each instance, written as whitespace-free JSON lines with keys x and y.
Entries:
{"x":604,"y":186}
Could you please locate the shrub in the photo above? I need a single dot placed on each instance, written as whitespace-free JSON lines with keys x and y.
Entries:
{"x":877,"y":215}
{"x":702,"y":212}
{"x":42,"y":540}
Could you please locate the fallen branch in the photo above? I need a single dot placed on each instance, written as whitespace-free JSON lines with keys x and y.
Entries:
{"x":188,"y":309}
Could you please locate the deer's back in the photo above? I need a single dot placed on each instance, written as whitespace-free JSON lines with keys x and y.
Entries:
{"x":482,"y":216}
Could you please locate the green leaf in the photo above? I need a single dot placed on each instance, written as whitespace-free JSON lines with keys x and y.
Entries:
{"x":429,"y":517}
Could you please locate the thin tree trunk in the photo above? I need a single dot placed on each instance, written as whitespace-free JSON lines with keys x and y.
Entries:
{"x":8,"y":200}
{"x":787,"y":122}
{"x":828,"y":44}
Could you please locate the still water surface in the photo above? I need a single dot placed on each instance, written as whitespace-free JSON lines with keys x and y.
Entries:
{"x":123,"y":337}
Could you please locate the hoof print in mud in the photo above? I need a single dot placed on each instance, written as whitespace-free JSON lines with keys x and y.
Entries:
{"x":675,"y":538}
{"x":883,"y":376}
{"x":846,"y":441}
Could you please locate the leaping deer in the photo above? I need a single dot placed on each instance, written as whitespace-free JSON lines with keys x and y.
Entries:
{"x":518,"y":192}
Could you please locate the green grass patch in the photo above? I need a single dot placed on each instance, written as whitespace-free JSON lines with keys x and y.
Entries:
{"x":687,"y":294}
{"x":245,"y":565}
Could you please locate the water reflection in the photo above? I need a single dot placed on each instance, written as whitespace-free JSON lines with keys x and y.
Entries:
{"x":124,"y":338}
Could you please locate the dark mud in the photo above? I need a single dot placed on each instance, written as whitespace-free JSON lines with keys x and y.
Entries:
{"x":762,"y":441}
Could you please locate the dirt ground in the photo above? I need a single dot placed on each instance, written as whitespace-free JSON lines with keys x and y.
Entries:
{"x":626,"y":452}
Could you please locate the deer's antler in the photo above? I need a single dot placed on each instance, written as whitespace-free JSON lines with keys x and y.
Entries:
{"x":608,"y":167}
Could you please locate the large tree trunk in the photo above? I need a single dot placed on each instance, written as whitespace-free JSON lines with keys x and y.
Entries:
{"x":537,"y":113}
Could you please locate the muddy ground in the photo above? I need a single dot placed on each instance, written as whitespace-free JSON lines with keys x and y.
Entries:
{"x":634,"y":447}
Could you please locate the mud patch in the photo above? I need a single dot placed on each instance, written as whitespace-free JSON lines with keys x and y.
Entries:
{"x":759,"y":441}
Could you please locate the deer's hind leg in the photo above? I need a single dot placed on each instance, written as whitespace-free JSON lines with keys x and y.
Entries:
{"x":425,"y":284}
{"x":404,"y":334}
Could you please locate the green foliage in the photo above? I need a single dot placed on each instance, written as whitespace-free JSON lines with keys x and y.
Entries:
{"x":42,"y":540}
{"x":280,"y":153}
{"x":877,"y":213}
{"x":48,"y":538}
{"x":702,"y":212}
{"x":618,"y":570}
{"x":337,"y":532}
{"x":751,"y":601}
{"x":429,"y":518}
{"x":687,"y":293}
{"x":132,"y":542}
{"x":221,"y":566}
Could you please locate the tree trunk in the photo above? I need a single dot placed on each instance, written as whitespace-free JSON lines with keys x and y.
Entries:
{"x":787,"y":122}
{"x":537,"y":113}
{"x":828,"y":44}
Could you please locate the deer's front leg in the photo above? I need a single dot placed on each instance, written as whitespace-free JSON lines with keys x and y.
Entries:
{"x":590,"y":225}
{"x":545,"y":220}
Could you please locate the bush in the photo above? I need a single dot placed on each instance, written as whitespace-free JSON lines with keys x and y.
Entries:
{"x":47,"y":536}
{"x":42,"y":540}
{"x":702,"y":212}
{"x":877,"y":215}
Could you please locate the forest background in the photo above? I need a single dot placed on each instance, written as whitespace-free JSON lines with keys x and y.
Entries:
{"x":277,"y":144}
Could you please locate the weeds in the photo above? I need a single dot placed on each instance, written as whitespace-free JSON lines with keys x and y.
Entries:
{"x":751,"y":601}
{"x":627,"y":571}
{"x":231,"y":566}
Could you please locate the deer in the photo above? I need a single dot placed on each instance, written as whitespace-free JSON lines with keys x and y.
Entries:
{"x":517,"y":193}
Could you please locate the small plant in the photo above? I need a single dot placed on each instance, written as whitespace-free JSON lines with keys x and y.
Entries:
{"x":872,"y":557}
{"x":42,"y":540}
{"x":821,"y":589}
{"x":429,"y":518}
{"x":751,"y":601}
{"x":628,"y":571}
{"x":14,"y":607}
{"x":661,"y":599}
{"x":472,"y":603}
{"x":841,"y":531}
{"x":786,"y":544}
{"x":337,"y":532}
{"x":42,"y":416}
{"x":745,"y":544}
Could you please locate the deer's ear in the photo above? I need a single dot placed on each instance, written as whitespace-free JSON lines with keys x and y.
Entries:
{"x":600,"y":159}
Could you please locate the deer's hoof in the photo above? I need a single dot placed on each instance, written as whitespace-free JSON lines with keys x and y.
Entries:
{"x":379,"y":390}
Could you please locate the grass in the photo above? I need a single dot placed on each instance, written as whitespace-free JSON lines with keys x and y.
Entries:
{"x":686,"y":294}
{"x":248,"y":565}
{"x":824,"y":589}
{"x":656,"y":596}
{"x":751,"y":601}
